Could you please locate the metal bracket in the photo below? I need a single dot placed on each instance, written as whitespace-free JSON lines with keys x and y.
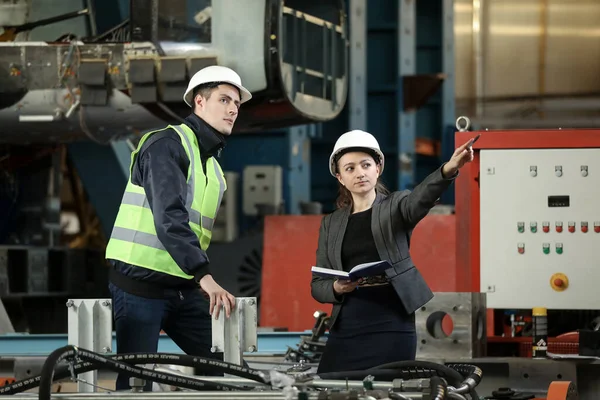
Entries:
{"x":90,"y":327}
{"x":237,"y":334}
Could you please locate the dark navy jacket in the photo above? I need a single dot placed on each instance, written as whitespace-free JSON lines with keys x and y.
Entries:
{"x":161,"y":169}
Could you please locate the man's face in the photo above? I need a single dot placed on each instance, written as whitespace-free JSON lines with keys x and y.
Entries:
{"x":220,"y":109}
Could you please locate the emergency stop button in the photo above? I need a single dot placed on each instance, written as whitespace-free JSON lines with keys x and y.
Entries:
{"x":559,"y":282}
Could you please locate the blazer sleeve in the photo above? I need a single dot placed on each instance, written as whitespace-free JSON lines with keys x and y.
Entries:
{"x":415,"y":205}
{"x":322,"y":288}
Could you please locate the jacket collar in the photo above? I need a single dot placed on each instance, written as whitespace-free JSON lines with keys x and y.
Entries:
{"x":210,"y":141}
{"x":379,"y":197}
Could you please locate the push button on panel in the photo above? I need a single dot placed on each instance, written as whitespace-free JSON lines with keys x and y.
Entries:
{"x":521,"y":227}
{"x":559,"y":248}
{"x":571,"y":226}
{"x":584,"y":226}
{"x":559,"y":226}
{"x":521,"y":248}
{"x":559,"y":282}
{"x":597,"y":226}
{"x":546,"y":226}
{"x":533,"y":227}
{"x":584,"y":170}
{"x":546,"y":248}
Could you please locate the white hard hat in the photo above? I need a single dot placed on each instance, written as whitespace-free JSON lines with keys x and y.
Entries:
{"x":215,"y":73}
{"x":355,"y":139}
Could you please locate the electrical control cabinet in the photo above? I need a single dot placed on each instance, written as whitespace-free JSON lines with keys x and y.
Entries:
{"x":225,"y":228}
{"x":263,"y":186}
{"x":540,"y":228}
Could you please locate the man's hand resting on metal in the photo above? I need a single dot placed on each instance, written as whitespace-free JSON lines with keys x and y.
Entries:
{"x":218,"y":296}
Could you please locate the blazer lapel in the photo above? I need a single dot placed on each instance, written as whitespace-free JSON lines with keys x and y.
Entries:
{"x":376,"y":227}
{"x":342,"y":223}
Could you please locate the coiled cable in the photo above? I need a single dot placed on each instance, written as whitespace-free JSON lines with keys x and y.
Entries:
{"x":96,"y":361}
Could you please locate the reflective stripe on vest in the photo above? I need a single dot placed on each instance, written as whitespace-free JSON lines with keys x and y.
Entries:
{"x":201,"y":222}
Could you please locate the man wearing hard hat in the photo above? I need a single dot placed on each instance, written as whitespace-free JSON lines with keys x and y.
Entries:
{"x":164,"y":225}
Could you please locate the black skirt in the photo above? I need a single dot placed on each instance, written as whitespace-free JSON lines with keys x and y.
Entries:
{"x":372,"y":329}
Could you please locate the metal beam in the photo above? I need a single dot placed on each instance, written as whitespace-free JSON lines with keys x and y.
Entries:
{"x":407,"y":65}
{"x":20,"y":344}
{"x":448,"y":90}
{"x":358,"y":65}
{"x":298,"y":168}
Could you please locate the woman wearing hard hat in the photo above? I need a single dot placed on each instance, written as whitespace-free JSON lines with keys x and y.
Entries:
{"x":373,"y":320}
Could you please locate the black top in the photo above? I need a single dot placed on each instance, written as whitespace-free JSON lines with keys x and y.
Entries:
{"x":358,"y":246}
{"x":161,"y":169}
{"x":367,"y":309}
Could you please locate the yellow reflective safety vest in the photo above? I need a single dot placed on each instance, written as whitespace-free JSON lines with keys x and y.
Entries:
{"x":133,"y":239}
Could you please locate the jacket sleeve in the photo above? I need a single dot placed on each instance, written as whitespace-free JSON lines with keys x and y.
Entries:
{"x":322,"y":288}
{"x":415,"y":205}
{"x":163,"y":168}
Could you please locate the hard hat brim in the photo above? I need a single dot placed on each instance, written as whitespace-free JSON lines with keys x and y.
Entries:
{"x":367,"y":149}
{"x":245,"y":95}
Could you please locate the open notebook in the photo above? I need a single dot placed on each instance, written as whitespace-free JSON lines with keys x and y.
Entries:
{"x":359,"y":271}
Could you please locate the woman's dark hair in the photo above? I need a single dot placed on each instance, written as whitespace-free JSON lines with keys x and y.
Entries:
{"x":344,"y":198}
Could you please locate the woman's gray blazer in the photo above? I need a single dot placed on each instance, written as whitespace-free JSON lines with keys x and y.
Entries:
{"x":392,"y":222}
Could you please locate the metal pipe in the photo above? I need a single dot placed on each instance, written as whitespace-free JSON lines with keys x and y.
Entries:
{"x":259,"y":395}
{"x":346,"y":385}
{"x":478,"y":56}
{"x":320,"y":383}
{"x":36,"y":118}
{"x":241,"y":337}
{"x":535,"y":123}
{"x":542,"y":49}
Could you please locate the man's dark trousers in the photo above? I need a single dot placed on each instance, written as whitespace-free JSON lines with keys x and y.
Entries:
{"x":182,"y":314}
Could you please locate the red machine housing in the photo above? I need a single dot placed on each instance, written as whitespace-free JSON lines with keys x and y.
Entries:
{"x":467,"y":208}
{"x":290,"y":244}
{"x":467,"y":187}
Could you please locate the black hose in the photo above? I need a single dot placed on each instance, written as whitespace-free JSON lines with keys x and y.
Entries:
{"x":459,"y":372}
{"x":439,"y":388}
{"x":202,"y":364}
{"x":120,"y":363}
{"x":415,"y":369}
{"x":388,"y":374}
{"x":403,"y":369}
{"x":468,"y":371}
{"x":47,"y":374}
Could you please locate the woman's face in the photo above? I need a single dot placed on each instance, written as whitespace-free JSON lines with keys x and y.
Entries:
{"x":358,"y":172}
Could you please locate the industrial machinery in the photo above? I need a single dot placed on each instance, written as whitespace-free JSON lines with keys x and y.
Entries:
{"x":78,"y":88}
{"x":88,"y":354}
{"x":130,"y":78}
{"x":527,"y":229}
{"x":429,"y":381}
